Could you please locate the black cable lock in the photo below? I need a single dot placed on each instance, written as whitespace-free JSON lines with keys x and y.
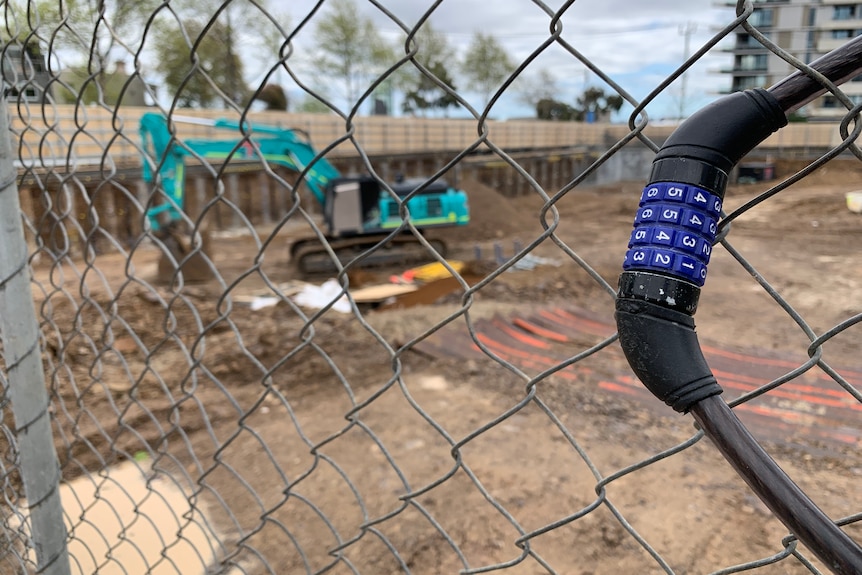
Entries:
{"x":670,"y":246}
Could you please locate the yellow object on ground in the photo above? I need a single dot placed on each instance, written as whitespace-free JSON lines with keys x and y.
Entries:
{"x":435,"y":271}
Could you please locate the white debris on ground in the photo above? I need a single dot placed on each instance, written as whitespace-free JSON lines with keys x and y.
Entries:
{"x":320,"y":296}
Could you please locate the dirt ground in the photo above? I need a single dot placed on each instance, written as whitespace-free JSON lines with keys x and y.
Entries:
{"x":317,"y":440}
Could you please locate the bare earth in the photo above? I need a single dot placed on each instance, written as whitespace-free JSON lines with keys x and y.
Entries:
{"x":300,"y":438}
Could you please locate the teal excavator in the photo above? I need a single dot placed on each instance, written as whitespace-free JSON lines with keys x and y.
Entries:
{"x":358,"y":211}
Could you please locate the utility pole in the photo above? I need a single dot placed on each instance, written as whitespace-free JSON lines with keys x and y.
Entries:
{"x":686,"y":30}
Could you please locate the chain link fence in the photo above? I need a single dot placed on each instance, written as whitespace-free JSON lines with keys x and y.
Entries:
{"x":477,"y":416}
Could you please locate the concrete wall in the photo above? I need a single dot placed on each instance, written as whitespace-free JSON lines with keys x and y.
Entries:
{"x":633,"y":162}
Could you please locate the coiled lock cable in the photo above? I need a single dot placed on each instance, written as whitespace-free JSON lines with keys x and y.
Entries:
{"x":666,"y":266}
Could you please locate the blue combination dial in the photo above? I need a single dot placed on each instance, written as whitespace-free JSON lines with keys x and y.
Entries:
{"x":674,"y":231}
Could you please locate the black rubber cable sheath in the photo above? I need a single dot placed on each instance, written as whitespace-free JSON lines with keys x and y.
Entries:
{"x":841,"y":554}
{"x":654,"y":309}
{"x":837,"y":66}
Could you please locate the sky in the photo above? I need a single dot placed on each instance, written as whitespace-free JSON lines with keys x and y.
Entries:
{"x":637,"y":43}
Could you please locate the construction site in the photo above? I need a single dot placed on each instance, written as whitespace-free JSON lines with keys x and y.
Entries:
{"x":429,"y":414}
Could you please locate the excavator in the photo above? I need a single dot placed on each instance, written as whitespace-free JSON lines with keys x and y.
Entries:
{"x":359,"y":213}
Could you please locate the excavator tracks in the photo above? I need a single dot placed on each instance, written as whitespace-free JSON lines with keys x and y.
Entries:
{"x":310,"y":256}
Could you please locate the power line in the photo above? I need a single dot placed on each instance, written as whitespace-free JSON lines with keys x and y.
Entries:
{"x":567,"y":31}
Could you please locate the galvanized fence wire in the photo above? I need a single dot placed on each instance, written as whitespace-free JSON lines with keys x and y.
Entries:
{"x":258,"y":442}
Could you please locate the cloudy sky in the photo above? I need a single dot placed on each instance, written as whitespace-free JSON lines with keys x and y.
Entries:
{"x":635,"y":42}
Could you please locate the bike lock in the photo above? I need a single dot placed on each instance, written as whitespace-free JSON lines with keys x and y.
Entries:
{"x":674,"y":232}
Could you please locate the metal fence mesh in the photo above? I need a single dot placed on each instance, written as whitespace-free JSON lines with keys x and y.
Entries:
{"x":197,"y":433}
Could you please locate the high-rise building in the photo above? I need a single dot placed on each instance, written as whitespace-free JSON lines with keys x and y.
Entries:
{"x":807,"y":29}
{"x":835,"y":24}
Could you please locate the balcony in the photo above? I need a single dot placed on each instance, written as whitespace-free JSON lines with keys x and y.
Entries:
{"x":828,"y":44}
{"x":751,"y":48}
{"x":736,"y":71}
{"x":851,"y":23}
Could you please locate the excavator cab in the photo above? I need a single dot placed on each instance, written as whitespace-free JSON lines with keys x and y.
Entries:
{"x":360,"y":205}
{"x":352,"y":206}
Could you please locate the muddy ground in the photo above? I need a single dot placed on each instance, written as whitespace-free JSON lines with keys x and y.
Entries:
{"x":320,"y":439}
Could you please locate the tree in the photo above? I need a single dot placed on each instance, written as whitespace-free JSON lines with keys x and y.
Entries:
{"x":237,"y":36}
{"x":110,"y":88}
{"x":427,"y":95}
{"x":594,"y":104}
{"x":92,"y":31}
{"x":486,"y":65}
{"x":273,"y":96}
{"x":351,"y":51}
{"x":197,"y":80}
{"x":533,"y":88}
{"x":421,"y":92}
{"x":550,"y":109}
{"x":312,"y":105}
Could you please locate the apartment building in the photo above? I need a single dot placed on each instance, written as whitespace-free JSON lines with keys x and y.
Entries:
{"x":805,"y":28}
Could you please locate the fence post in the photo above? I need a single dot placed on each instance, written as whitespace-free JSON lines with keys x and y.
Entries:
{"x":40,"y":470}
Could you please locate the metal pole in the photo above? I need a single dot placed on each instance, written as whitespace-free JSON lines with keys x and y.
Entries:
{"x":40,"y":470}
{"x":686,"y":30}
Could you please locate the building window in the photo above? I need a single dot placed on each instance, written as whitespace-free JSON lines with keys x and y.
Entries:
{"x":844,"y":12}
{"x":751,"y":62}
{"x":761,"y":17}
{"x":748,"y":82}
{"x":745,"y":41}
{"x":842,"y":34}
{"x":830,"y":102}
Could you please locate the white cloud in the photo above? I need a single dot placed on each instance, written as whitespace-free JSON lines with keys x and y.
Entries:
{"x":627,"y":39}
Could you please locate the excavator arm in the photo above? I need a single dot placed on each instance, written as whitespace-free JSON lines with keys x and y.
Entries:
{"x":278,"y":146}
{"x":164,"y":156}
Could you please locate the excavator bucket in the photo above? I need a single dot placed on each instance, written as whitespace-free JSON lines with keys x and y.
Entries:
{"x":193,"y":262}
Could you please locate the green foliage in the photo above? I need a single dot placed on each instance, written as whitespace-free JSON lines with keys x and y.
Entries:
{"x":63,"y":23}
{"x":77,"y":84}
{"x":550,"y":109}
{"x":255,"y":27}
{"x":593,"y":100}
{"x":486,"y":64}
{"x":198,"y":79}
{"x":427,"y":95}
{"x":223,"y":35}
{"x":273,"y":96}
{"x":533,"y":88}
{"x":596,"y":101}
{"x":312,"y":105}
{"x":351,"y":51}
{"x":422,"y":93}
